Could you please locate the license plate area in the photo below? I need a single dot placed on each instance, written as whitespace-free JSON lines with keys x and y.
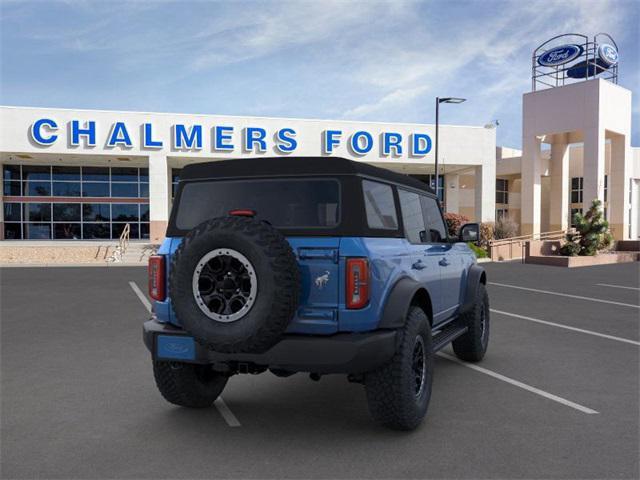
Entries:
{"x":175,"y":347}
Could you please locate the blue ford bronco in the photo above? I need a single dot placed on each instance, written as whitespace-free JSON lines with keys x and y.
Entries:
{"x":318,"y":265}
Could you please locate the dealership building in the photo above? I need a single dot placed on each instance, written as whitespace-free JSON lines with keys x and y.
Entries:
{"x":85,"y":174}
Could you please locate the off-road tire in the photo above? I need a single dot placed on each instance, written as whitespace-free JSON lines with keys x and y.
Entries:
{"x":391,"y":394}
{"x":472,"y":346}
{"x":188,"y":385}
{"x":278,"y":280}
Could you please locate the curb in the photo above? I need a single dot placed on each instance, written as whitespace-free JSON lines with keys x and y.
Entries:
{"x":68,"y":265}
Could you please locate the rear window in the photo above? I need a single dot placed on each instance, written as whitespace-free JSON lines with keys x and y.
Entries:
{"x":290,"y":203}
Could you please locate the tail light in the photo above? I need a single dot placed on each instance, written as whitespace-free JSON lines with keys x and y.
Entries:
{"x":357,"y":282}
{"x":156,"y":277}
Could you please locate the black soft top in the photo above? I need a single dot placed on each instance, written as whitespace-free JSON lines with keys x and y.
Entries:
{"x":292,"y":167}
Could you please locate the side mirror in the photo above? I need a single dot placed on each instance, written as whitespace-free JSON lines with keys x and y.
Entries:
{"x":470,"y":232}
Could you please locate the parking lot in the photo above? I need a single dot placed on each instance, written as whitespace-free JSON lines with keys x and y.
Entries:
{"x":556,"y":397}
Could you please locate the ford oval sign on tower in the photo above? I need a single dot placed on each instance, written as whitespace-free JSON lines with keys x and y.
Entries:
{"x":571,"y":57}
{"x":608,"y":54}
{"x":560,"y":55}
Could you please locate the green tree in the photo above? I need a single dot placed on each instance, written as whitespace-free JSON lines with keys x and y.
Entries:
{"x":591,"y":235}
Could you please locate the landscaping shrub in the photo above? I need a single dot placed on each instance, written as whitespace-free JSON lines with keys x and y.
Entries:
{"x":505,"y":227}
{"x":592,"y":233}
{"x":454,"y":222}
{"x":480,"y":252}
{"x":487,"y":230}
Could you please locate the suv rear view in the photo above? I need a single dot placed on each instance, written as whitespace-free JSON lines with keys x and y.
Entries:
{"x":310,"y":265}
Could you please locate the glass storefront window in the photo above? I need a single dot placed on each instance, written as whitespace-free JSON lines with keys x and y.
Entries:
{"x":66,"y":189}
{"x":12,"y":212}
{"x":66,"y":173}
{"x":124,"y":175}
{"x":12,"y":189}
{"x":11,"y":172}
{"x":124,"y":190}
{"x":96,"y":212}
{"x":66,"y":212}
{"x":36,"y":172}
{"x":67,"y":219}
{"x":96,"y":231}
{"x":13,"y":231}
{"x":95,"y":174}
{"x":69,"y":231}
{"x":124,"y":212}
{"x":37,"y":231}
{"x":37,"y":212}
{"x":95,"y":189}
{"x":37,"y":189}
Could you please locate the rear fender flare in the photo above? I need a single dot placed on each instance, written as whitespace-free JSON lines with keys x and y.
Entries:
{"x":475,"y":277}
{"x":395,"y":311}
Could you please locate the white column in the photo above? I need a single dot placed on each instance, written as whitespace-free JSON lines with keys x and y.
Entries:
{"x":559,"y":205}
{"x":593,"y":167}
{"x":618,"y":188}
{"x":452,"y":192}
{"x":485,"y":192}
{"x":531,"y":188}
{"x":159,"y":195}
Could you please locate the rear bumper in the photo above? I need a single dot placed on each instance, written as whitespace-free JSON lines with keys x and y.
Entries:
{"x":339,"y":353}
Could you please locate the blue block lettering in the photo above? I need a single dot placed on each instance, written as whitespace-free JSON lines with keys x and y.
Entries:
{"x":119,"y":136}
{"x":89,"y":131}
{"x":356,"y":144}
{"x":37,"y":134}
{"x":286,"y":140}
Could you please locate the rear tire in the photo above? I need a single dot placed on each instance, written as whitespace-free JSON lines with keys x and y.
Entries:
{"x":398,"y":393}
{"x":188,"y":385}
{"x":472,"y":346}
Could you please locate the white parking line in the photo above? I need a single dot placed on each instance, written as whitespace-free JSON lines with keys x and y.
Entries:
{"x":518,"y":384}
{"x":616,"y":286}
{"x":225,"y":412}
{"x":143,"y":298}
{"x":566,"y":327}
{"x":590,"y":299}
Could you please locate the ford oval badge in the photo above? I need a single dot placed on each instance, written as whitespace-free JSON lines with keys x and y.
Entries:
{"x":560,"y":55}
{"x":608,"y":54}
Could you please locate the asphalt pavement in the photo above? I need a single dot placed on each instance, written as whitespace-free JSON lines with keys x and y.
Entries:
{"x":557,"y":395}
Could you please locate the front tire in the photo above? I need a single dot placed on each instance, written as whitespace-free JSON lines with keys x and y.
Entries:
{"x":188,"y":385}
{"x":398,"y":393}
{"x":472,"y":346}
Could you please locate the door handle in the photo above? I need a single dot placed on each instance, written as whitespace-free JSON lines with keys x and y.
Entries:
{"x":418,"y":265}
{"x":443,"y":262}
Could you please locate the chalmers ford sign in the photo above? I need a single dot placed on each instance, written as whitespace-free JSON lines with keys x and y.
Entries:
{"x":221,"y":138}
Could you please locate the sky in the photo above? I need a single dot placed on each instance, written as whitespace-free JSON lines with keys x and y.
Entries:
{"x":345,"y":60}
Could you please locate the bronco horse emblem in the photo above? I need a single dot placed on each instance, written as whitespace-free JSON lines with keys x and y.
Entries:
{"x":322,"y":280}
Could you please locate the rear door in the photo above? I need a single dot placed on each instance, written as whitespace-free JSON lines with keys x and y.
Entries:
{"x":321,"y":282}
{"x":424,"y":256}
{"x":444,"y":252}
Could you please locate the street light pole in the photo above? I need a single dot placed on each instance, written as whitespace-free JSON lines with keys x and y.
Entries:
{"x":437,"y":142}
{"x":438,"y":102}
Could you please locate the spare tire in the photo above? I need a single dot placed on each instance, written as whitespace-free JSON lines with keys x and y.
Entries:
{"x":234,"y":284}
